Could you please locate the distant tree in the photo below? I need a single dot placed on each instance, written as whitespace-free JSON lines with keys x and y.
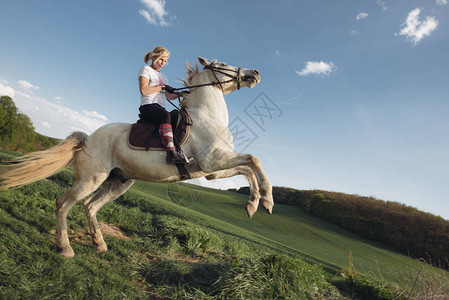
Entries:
{"x":3,"y":115}
{"x":24,"y":135}
{"x":393,"y":224}
{"x":17,"y":131}
{"x":9,"y":114}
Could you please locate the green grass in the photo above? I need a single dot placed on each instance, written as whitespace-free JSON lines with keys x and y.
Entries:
{"x":168,"y":256}
{"x":191,"y":242}
{"x":291,"y":230}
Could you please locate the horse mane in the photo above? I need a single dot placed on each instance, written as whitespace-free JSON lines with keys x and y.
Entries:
{"x":191,"y":72}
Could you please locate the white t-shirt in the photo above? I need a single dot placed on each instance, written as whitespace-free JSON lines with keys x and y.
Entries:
{"x":156,"y":78}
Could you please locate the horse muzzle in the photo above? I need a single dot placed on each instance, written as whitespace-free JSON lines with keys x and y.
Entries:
{"x":250,"y":78}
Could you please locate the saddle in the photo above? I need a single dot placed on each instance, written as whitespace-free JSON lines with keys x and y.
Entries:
{"x":145,"y":135}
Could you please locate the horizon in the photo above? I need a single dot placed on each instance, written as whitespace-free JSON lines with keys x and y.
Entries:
{"x":352,"y":99}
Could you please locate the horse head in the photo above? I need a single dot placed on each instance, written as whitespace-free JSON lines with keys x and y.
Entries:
{"x":229,"y":78}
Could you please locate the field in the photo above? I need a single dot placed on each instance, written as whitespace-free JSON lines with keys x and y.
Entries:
{"x":291,"y":230}
{"x":184,"y":241}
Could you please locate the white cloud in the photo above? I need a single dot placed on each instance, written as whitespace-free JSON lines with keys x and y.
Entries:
{"x":6,"y":90}
{"x":278,"y":52}
{"x":26,"y":86}
{"x":442,"y":2}
{"x":58,"y":98}
{"x":45,"y":124}
{"x":93,"y":114}
{"x":54,"y":119}
{"x":361,"y":15}
{"x":147,"y":17}
{"x":317,"y":68}
{"x":155,"y":12}
{"x":414,"y":29}
{"x":382,"y":4}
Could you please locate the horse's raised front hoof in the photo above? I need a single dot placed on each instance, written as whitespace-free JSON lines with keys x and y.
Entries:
{"x":267,"y":204}
{"x":250,"y":209}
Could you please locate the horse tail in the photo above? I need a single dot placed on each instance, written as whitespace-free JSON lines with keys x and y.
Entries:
{"x":42,"y":164}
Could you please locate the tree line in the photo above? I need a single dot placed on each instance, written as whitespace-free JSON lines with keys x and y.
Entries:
{"x":17,"y":131}
{"x":395,"y":225}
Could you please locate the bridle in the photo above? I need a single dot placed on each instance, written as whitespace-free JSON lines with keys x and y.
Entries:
{"x":238,"y":77}
{"x":215,"y":70}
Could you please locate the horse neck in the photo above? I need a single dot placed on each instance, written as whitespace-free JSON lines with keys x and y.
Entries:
{"x":207,"y":101}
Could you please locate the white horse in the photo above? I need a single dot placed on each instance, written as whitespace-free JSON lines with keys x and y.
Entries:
{"x":105,"y":162}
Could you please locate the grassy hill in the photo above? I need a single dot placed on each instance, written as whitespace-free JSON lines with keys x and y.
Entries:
{"x":291,"y":230}
{"x":392,"y":224}
{"x":190,"y":242}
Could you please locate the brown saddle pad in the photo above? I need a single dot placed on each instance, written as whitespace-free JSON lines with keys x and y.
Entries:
{"x":145,"y":136}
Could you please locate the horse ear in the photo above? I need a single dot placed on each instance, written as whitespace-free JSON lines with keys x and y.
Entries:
{"x":203,"y":61}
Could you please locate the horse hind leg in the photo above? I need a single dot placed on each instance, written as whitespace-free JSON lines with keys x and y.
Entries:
{"x":110,"y":190}
{"x":80,"y":190}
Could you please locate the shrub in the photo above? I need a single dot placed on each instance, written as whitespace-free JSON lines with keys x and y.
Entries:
{"x":274,"y":277}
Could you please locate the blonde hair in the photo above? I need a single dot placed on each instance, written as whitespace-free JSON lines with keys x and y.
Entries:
{"x":155,"y":54}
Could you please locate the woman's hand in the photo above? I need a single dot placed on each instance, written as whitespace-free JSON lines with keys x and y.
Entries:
{"x":169,"y":89}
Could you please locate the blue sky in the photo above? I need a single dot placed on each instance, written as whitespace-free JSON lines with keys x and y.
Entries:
{"x":358,"y":90}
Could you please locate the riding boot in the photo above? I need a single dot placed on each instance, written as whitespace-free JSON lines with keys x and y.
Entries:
{"x":173,"y":156}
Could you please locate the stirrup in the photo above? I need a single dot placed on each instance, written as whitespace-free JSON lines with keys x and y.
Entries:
{"x":177,"y":157}
{"x":187,"y":159}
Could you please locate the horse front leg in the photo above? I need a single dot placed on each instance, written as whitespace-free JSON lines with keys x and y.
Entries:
{"x":222,"y":160}
{"x":253,"y":202}
{"x":265,"y":187}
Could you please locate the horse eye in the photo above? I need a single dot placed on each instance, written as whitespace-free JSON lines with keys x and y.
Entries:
{"x":224,"y":65}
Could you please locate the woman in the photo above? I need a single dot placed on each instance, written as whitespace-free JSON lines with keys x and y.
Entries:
{"x":154,"y":89}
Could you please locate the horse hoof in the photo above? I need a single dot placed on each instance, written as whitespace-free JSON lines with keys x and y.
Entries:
{"x":68,"y":252}
{"x":102,"y":248}
{"x":269,"y":210}
{"x":250,"y":209}
{"x":268,"y":205}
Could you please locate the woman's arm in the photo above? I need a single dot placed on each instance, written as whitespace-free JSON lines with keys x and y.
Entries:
{"x":146,"y":89}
